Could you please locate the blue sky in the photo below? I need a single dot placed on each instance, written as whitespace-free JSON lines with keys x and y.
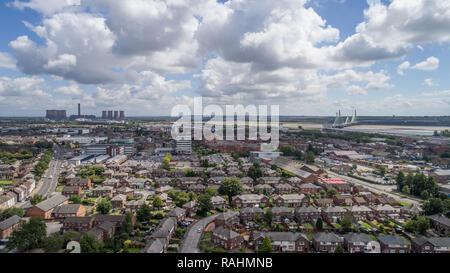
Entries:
{"x":310,"y":57}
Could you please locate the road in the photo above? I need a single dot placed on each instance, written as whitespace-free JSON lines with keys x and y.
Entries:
{"x":49,"y":185}
{"x":386,"y":189}
{"x":192,"y":237}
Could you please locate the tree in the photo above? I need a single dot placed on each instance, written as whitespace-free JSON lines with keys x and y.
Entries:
{"x":52,"y":243}
{"x":113,"y":244}
{"x":266,"y":246}
{"x":89,"y":244}
{"x":211,"y":191}
{"x":11,"y":212}
{"x":434,"y":206}
{"x":143,"y":213}
{"x":104,"y":207}
{"x":268,"y":216}
{"x":255,"y":171}
{"x":332,"y":192}
{"x":192,"y":196}
{"x":127,"y":225}
{"x":76,"y":199}
{"x":230,"y":187}
{"x":179,"y":232}
{"x":310,"y":158}
{"x":36,"y":199}
{"x":383,"y":171}
{"x":319,"y":223}
{"x":70,"y":236}
{"x":339,"y":249}
{"x":157,"y":202}
{"x":28,"y":235}
{"x":346,"y":223}
{"x":400,"y":180}
{"x":406,"y":189}
{"x":205,"y":204}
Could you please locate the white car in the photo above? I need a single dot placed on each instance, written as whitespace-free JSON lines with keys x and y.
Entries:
{"x":199,"y":230}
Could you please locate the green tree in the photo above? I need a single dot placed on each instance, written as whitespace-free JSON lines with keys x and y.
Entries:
{"x":127,"y":225}
{"x":36,"y":199}
{"x":434,"y":206}
{"x":383,"y":170}
{"x":70,"y":236}
{"x":332,"y":192}
{"x":346,"y":223}
{"x":400,"y":180}
{"x":255,"y":171}
{"x":104,"y":207}
{"x":89,"y":244}
{"x":266,"y":246}
{"x":310,"y":158}
{"x":28,"y":235}
{"x":319,"y":223}
{"x":11,"y":212}
{"x":211,"y":191}
{"x":339,"y":249}
{"x":76,"y":199}
{"x":230,"y":187}
{"x":143,"y":214}
{"x":268,"y":216}
{"x":52,"y":243}
{"x":406,"y":189}
{"x":157,"y":202}
{"x":205,"y":204}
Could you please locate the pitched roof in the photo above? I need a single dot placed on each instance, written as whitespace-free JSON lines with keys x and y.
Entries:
{"x":67,"y":209}
{"x":225,"y":232}
{"x":11,"y":221}
{"x":52,"y":202}
{"x":393,"y":240}
{"x":326,"y":237}
{"x":440,"y":218}
{"x":357,"y":237}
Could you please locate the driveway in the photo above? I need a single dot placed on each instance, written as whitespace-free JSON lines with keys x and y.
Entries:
{"x":192,"y":236}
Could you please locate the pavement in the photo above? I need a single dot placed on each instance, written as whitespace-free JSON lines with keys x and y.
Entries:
{"x":192,"y":236}
{"x":48,"y":185}
{"x":385,"y":189}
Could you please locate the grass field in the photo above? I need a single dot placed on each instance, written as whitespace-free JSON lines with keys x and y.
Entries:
{"x":5,"y":183}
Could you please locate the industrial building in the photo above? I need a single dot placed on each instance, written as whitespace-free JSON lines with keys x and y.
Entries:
{"x":56,"y":114}
{"x":113,"y":115}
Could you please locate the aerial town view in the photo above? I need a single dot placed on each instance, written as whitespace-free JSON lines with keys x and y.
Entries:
{"x":236,"y":126}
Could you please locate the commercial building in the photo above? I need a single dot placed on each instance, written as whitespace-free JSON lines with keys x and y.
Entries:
{"x":184,"y":146}
{"x":56,"y":114}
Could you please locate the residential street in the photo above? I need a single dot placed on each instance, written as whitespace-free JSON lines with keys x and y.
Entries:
{"x":49,"y":184}
{"x":192,"y":237}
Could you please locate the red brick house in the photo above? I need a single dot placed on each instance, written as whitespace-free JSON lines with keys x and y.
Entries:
{"x":45,"y":208}
{"x":394,"y":244}
{"x":70,"y":191}
{"x":430,"y":245}
{"x":226,"y":238}
{"x":325,"y":242}
{"x":7,"y":226}
{"x":250,"y":200}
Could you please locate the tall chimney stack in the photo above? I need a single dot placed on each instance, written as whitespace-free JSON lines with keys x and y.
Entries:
{"x":79,"y":109}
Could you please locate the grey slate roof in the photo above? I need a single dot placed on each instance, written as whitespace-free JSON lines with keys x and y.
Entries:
{"x":52,"y":202}
{"x":357,"y":237}
{"x":393,"y":240}
{"x":225,"y":232}
{"x":11,"y":221}
{"x":69,"y":208}
{"x":326,"y":237}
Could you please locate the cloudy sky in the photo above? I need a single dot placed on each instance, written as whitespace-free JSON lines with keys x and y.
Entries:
{"x":383,"y":57}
